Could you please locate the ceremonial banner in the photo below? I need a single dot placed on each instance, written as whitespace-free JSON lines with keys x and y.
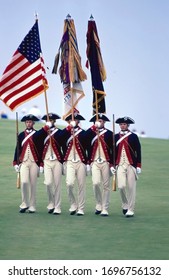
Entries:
{"x":98,"y":72}
{"x":24,"y":77}
{"x":71,"y":73}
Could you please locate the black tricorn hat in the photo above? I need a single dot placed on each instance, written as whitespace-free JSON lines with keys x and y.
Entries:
{"x":100,"y":117}
{"x":76,"y":117}
{"x":29,"y":117}
{"x":52,"y":116}
{"x":127,"y":120}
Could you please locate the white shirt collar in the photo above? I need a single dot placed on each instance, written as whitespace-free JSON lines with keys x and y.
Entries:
{"x":124,"y":132}
{"x":29,"y":130}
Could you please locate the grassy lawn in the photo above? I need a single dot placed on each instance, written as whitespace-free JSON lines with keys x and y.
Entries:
{"x":43,"y":236}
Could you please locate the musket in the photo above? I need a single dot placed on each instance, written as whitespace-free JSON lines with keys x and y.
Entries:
{"x":114,"y":157}
{"x":18,"y":180}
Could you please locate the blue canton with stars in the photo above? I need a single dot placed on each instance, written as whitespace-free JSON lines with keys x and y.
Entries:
{"x":30,"y":47}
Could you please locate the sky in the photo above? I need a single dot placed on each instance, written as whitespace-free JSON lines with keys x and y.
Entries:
{"x":134,"y":41}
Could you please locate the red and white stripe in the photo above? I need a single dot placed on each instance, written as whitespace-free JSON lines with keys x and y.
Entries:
{"x":22,"y":80}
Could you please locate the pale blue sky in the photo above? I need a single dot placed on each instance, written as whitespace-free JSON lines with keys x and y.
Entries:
{"x":134,"y":38}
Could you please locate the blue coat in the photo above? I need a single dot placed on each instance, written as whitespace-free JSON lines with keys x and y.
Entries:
{"x":107,"y":144}
{"x":36,"y":143}
{"x":132,"y":147}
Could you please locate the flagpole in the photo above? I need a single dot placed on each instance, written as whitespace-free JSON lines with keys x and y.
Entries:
{"x":97,"y":119}
{"x":47,"y":114}
{"x":114,"y":157}
{"x":46,"y":104}
{"x":74,"y":155}
{"x":18,"y":182}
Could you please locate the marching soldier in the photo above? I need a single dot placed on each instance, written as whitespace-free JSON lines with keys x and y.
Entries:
{"x":100,"y":152}
{"x":27,"y":159}
{"x":75,"y":160}
{"x":53,"y":158}
{"x":128,"y":164}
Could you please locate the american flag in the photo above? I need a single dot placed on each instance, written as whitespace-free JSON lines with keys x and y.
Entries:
{"x":24,"y":77}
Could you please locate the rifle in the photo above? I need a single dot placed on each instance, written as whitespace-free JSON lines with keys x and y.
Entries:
{"x":18,"y":180}
{"x":114,"y":157}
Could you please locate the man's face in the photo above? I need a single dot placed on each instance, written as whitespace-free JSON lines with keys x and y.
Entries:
{"x":76,"y":122}
{"x":29,"y":124}
{"x":52,"y":122}
{"x":123,"y":126}
{"x":101,"y":123}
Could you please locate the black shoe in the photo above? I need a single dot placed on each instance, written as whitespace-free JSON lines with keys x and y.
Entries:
{"x":23,"y":210}
{"x":129,"y":214}
{"x":73,"y":212}
{"x":56,"y":213}
{"x":50,"y":211}
{"x":97,"y":212}
{"x":80,"y":213}
{"x":124,"y":211}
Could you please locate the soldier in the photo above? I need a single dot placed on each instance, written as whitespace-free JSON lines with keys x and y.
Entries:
{"x":27,"y":159}
{"x":53,"y":158}
{"x":100,"y":152}
{"x":128,"y":164}
{"x":75,"y":160}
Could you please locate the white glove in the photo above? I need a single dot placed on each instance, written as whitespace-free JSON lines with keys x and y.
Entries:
{"x":73,"y":123}
{"x":41,"y":169}
{"x":113,"y":170}
{"x":49,"y":124}
{"x":138,"y":170}
{"x":88,"y":170}
{"x":17,"y":168}
{"x":97,"y":124}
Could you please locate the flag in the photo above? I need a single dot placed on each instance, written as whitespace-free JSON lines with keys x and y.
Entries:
{"x":24,"y":77}
{"x":71,"y":72}
{"x":98,"y":72}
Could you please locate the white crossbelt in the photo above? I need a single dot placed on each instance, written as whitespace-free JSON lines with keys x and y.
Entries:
{"x":101,"y":133}
{"x":71,"y":137}
{"x":53,"y":132}
{"x":122,"y":138}
{"x":27,"y":137}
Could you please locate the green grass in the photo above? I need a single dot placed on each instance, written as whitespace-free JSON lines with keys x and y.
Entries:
{"x":43,"y":236}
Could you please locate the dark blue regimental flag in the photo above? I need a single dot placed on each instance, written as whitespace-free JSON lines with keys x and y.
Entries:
{"x":98,"y":73}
